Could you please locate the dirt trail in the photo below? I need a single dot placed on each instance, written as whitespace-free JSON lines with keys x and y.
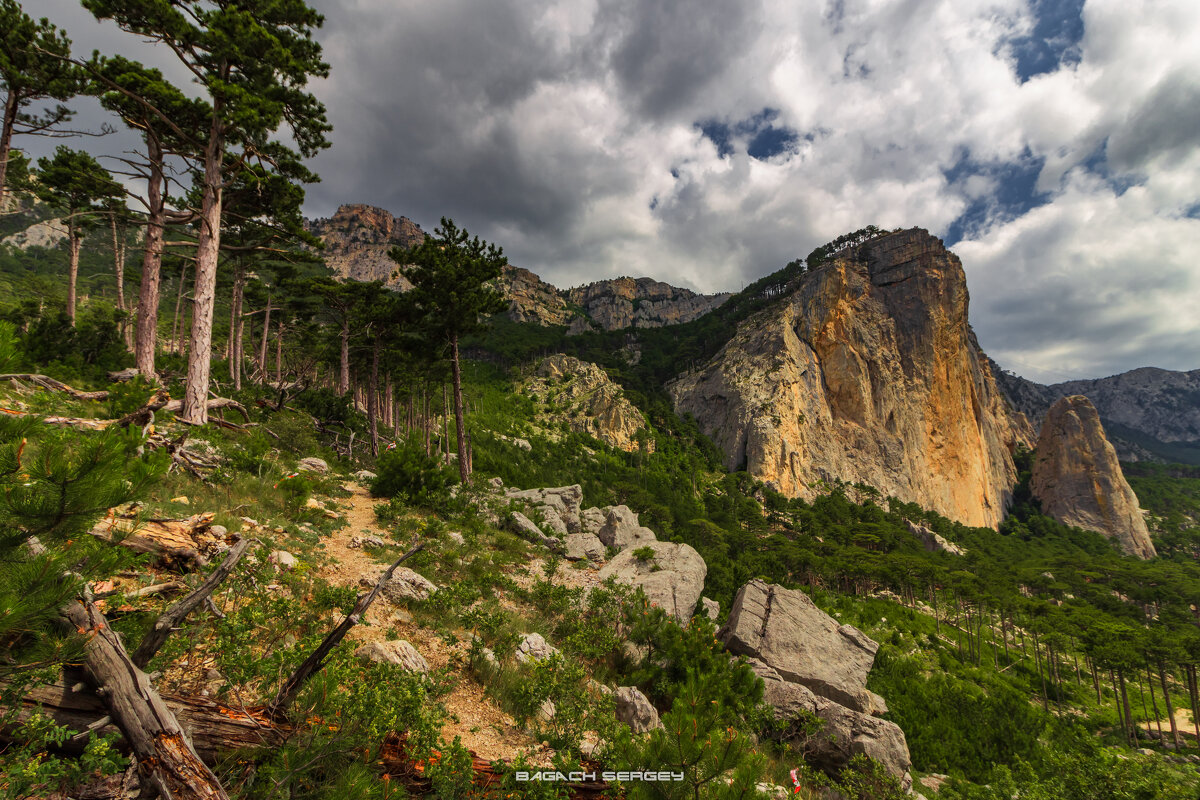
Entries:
{"x":483,"y":726}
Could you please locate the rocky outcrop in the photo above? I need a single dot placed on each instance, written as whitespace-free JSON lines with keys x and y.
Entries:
{"x":672,"y":578}
{"x":357,"y":240}
{"x":48,"y":233}
{"x":866,"y":373}
{"x":531,"y":299}
{"x":641,"y":303}
{"x":399,"y":653}
{"x":582,"y":395}
{"x":1078,"y":480}
{"x":558,"y":505}
{"x":621,"y":529}
{"x":933,"y":541}
{"x":634,"y":709}
{"x":810,"y":664}
{"x":1144,"y":411}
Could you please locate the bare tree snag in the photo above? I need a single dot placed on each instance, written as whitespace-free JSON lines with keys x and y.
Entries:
{"x":291,"y":687}
{"x":176,"y":406}
{"x":174,"y":615}
{"x":165,"y":756}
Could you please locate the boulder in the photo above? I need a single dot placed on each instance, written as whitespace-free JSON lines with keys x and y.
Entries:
{"x":313,"y":464}
{"x":845,"y":733}
{"x":365,"y":475}
{"x":456,"y":537}
{"x":784,"y":628}
{"x":621,"y":529}
{"x":584,"y":545}
{"x":400,"y":653}
{"x":591,"y":520}
{"x":634,"y":709}
{"x":673,"y":579}
{"x":361,"y":542}
{"x":123,"y":375}
{"x":404,"y":585}
{"x":1078,"y":479}
{"x":522,"y":444}
{"x":712,"y":609}
{"x":559,"y":505}
{"x":284,"y":560}
{"x":533,"y":647}
{"x":932,"y":541}
{"x":526,"y":528}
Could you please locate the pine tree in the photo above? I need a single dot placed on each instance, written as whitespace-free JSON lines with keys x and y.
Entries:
{"x":254,"y":58}
{"x":452,"y":276}
{"x":76,"y":183}
{"x":32,"y":68}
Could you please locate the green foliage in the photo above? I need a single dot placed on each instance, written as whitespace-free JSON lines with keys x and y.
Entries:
{"x":28,"y":770}
{"x":127,"y":397}
{"x":697,"y":740}
{"x":408,"y":473}
{"x":645,"y":553}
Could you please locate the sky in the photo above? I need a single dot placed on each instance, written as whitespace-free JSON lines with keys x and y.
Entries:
{"x":1051,"y":143}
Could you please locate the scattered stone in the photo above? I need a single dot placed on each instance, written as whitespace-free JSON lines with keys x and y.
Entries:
{"x":598,"y":688}
{"x":522,"y":444}
{"x":364,"y":475}
{"x":534,"y":647}
{"x":771,"y":790}
{"x":456,"y":537}
{"x":313,"y":464}
{"x":284,"y":560}
{"x":359,"y":542}
{"x":933,"y":782}
{"x":712,"y":609}
{"x":496,"y":483}
{"x":621,"y":529}
{"x":220,"y":531}
{"x":123,"y":375}
{"x":182,"y":500}
{"x":404,"y":585}
{"x":313,"y":502}
{"x":400,"y":653}
{"x":634,"y":709}
{"x":673,"y":579}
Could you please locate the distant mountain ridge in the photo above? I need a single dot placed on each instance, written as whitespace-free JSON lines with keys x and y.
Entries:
{"x":1150,"y":414}
{"x":358,"y":237}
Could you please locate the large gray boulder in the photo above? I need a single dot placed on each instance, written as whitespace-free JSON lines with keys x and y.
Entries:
{"x":591,"y":520}
{"x":534,"y":647}
{"x":784,"y":629}
{"x":313,"y":464}
{"x":634,"y":709}
{"x":672,"y":579}
{"x":621,"y":529}
{"x":583,"y":545}
{"x":845,"y":732}
{"x":524,"y":526}
{"x":404,"y":585}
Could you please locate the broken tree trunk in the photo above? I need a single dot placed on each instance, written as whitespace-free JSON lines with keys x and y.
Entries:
{"x":291,"y":687}
{"x":164,"y":755}
{"x":46,"y":382}
{"x":176,"y":614}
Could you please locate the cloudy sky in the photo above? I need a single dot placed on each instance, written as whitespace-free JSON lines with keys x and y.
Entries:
{"x":1051,"y":143}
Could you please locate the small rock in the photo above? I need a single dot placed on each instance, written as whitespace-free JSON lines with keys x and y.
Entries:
{"x":598,"y":688}
{"x":357,"y":542}
{"x":400,"y":653}
{"x":182,"y":500}
{"x":284,"y":560}
{"x":220,"y":531}
{"x":522,"y":444}
{"x":534,"y":647}
{"x":712,"y":609}
{"x":404,"y":585}
{"x":456,"y":537}
{"x":772,"y":790}
{"x":123,"y":375}
{"x":365,"y":475}
{"x":313,"y":464}
{"x":313,"y":502}
{"x":634,"y":709}
{"x":496,"y":483}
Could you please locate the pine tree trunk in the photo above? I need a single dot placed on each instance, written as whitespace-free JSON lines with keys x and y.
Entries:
{"x":344,"y":365}
{"x":74,"y":240}
{"x":459,"y":424}
{"x":118,"y":262}
{"x":239,"y":323}
{"x":1037,"y":656}
{"x":208,"y":249}
{"x":266,"y":333}
{"x":146,"y":343}
{"x":1195,"y":694}
{"x":1153,"y":701}
{"x":279,"y":333}
{"x":11,"y":107}
{"x":1131,"y":732}
{"x":1162,"y":676}
{"x":373,"y":396}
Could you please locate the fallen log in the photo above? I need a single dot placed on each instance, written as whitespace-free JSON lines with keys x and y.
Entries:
{"x":46,"y":382}
{"x":173,"y":616}
{"x":214,"y":403}
{"x":179,"y":544}
{"x":167,"y":760}
{"x":213,"y":728}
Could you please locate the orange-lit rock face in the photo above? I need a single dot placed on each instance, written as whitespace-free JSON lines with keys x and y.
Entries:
{"x":1078,"y":479}
{"x":357,"y":240}
{"x":868,"y":373}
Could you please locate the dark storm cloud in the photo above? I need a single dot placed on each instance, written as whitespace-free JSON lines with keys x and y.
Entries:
{"x":1166,"y":124}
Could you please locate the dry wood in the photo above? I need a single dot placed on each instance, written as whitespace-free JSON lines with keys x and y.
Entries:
{"x":175,"y":542}
{"x":212,"y":727}
{"x":176,"y":406}
{"x":46,"y":382}
{"x":166,"y":758}
{"x":291,"y":687}
{"x":146,"y":591}
{"x":173,"y":616}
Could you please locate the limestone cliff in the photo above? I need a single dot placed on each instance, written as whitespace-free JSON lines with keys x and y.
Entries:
{"x":1078,"y":480}
{"x":640,"y":303}
{"x":582,"y":395}
{"x":531,"y":299}
{"x":866,"y":373}
{"x":357,"y":240}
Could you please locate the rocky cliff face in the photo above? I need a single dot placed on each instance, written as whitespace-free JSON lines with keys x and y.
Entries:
{"x":357,"y":240}
{"x":640,"y":303}
{"x":1078,"y":480}
{"x":1142,"y":409}
{"x":585,"y":398}
{"x":867,"y":373}
{"x":531,"y":299}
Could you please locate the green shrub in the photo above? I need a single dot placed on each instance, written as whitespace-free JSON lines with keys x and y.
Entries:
{"x":409,"y":473}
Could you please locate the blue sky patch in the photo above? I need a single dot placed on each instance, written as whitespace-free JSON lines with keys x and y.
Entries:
{"x":1014,"y":193}
{"x":1054,"y":41}
{"x":761,"y":137}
